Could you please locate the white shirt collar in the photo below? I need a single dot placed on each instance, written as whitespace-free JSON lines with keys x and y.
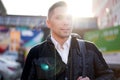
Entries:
{"x":67,"y":42}
{"x":64,"y":50}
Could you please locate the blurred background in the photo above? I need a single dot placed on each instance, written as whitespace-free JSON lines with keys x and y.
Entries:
{"x":23,"y":25}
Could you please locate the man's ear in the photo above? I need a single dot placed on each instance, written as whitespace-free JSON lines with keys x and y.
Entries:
{"x":48,"y":23}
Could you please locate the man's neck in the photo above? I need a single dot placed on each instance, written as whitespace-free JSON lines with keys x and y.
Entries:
{"x":60,"y":40}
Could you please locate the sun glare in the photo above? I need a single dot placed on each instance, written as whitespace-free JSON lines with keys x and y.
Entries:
{"x":80,"y":8}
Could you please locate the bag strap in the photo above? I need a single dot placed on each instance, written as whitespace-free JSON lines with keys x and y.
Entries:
{"x":83,"y":51}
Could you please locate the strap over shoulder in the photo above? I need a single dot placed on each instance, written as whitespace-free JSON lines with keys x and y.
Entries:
{"x":83,"y":51}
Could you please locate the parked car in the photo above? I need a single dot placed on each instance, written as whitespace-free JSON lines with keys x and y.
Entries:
{"x":9,"y":70}
{"x":10,"y":55}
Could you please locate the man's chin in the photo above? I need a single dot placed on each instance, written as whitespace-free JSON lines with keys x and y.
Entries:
{"x":65,"y":36}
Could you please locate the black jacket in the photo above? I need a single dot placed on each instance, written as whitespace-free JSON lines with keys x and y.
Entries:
{"x":56,"y":69}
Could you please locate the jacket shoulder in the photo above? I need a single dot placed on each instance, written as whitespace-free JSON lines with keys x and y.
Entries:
{"x":38,"y":46}
{"x":89,"y":45}
{"x":37,"y":49}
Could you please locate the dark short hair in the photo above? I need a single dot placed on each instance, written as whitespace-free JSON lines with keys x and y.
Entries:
{"x":55,"y":5}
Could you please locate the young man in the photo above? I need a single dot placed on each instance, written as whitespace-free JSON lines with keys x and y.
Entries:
{"x":59,"y":57}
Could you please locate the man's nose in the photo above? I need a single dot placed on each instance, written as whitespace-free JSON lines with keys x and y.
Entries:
{"x":66,"y":22}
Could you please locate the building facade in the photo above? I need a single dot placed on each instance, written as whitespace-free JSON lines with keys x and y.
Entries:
{"x":107,"y":12}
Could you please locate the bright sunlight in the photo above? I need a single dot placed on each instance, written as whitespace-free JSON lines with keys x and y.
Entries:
{"x":78,"y":8}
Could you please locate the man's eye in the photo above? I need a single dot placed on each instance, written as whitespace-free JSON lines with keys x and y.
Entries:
{"x":69,"y":17}
{"x":59,"y":17}
{"x":64,"y":17}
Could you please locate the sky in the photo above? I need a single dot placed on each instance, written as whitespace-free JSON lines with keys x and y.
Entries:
{"x":78,"y":8}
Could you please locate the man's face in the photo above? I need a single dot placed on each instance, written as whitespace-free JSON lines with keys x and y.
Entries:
{"x":60,"y":23}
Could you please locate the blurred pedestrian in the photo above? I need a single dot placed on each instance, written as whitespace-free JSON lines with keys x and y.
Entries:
{"x":21,"y":52}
